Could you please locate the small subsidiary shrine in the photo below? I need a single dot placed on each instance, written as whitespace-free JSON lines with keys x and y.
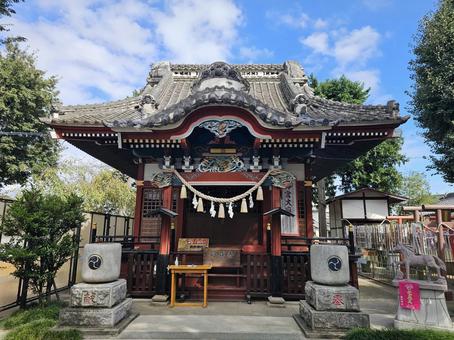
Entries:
{"x":225,"y":157}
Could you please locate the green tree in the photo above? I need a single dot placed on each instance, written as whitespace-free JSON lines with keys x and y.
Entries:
{"x":432,"y":94}
{"x":378,"y":167}
{"x":26,"y":96}
{"x":102,"y":189}
{"x":40,"y":228}
{"x":341,"y":90}
{"x":416,"y":187}
{"x":6,"y":9}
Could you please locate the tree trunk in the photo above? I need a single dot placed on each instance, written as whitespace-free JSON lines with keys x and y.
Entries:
{"x":321,"y":191}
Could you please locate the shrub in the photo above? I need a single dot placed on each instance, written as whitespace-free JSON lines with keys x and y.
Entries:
{"x":397,"y":334}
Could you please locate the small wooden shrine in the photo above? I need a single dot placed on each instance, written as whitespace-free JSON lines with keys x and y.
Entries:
{"x":225,"y":157}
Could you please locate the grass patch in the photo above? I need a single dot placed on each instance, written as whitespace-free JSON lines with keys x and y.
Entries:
{"x":30,"y":314}
{"x":35,"y":323}
{"x":397,"y":334}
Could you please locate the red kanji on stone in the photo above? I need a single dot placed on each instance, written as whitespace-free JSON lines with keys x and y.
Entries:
{"x":337,"y":300}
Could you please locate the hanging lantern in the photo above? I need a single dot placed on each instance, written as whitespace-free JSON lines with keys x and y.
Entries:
{"x":183,"y":192}
{"x":221,"y":213}
{"x":259,"y":194}
{"x":195,"y":201}
{"x":251,"y":202}
{"x":243,"y":206}
{"x":231,"y":210}
{"x":212,"y":210}
{"x":200,"y":205}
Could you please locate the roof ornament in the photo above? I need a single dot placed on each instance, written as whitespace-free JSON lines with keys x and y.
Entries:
{"x":221,"y":74}
{"x":299,"y":104}
{"x":148,"y":105}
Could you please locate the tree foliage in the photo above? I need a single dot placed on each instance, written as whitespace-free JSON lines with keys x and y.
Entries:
{"x":416,"y":187}
{"x":341,"y":90}
{"x":25,"y":96}
{"x":6,"y":9}
{"x":432,"y":95}
{"x":39,"y":228}
{"x":378,"y":167}
{"x":102,"y":189}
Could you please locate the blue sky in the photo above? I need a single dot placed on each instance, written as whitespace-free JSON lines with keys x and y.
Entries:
{"x":101,"y":50}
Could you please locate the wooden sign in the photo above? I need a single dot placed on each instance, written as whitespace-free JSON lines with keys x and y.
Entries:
{"x":193,"y":244}
{"x":222,"y":257}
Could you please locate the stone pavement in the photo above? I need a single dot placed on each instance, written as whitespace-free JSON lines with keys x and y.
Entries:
{"x":238,"y":320}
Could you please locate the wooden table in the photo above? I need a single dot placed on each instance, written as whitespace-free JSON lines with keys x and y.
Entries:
{"x":189,"y":269}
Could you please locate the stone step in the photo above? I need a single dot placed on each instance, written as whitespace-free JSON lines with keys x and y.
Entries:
{"x":212,"y":327}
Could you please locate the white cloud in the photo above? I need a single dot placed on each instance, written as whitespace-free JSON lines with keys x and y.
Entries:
{"x":198,"y":31}
{"x":320,"y":24}
{"x":349,"y":53}
{"x":300,"y":20}
{"x":376,"y":4}
{"x":252,"y":53}
{"x":358,"y":46}
{"x":318,"y":42}
{"x":101,"y":49}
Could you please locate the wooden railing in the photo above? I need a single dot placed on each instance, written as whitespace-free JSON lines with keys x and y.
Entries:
{"x":296,"y":272}
{"x":257,"y":271}
{"x":138,"y":268}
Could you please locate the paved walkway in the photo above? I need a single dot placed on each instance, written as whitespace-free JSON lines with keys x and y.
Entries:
{"x":238,"y":320}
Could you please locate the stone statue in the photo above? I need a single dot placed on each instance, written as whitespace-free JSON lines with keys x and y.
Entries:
{"x":411,"y":259}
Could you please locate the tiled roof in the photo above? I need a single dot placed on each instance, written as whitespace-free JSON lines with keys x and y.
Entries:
{"x":278,"y":94}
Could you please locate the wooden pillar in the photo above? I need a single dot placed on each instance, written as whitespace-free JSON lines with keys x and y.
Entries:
{"x":138,"y":209}
{"x":277,"y":276}
{"x":164,"y":245}
{"x":308,"y":202}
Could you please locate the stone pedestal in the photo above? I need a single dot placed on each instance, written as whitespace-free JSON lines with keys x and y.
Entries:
{"x":99,"y":305}
{"x":328,"y":324}
{"x":95,"y":317}
{"x":433,"y":312}
{"x":98,"y":295}
{"x":336,"y":298}
{"x":332,"y":306}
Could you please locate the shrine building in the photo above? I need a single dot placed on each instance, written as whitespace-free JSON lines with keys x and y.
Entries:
{"x":224,"y":158}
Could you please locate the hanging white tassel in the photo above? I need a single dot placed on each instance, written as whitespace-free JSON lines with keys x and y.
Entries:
{"x":243,"y":206}
{"x":200,"y":205}
{"x":183,"y":192}
{"x":251,"y":202}
{"x":195,"y":201}
{"x":221,"y":213}
{"x":212,"y":210}
{"x":259,"y":194}
{"x":231,"y":210}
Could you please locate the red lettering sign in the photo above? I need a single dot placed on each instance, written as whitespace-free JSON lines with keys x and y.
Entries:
{"x":409,"y":296}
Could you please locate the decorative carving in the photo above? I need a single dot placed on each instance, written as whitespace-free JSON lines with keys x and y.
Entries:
{"x":167,"y":161}
{"x":276,"y":163}
{"x":221,"y":69}
{"x":255,"y":167}
{"x":161,"y":180}
{"x":187,"y":167}
{"x":410,"y":259}
{"x":94,"y":262}
{"x":220,"y":127}
{"x":148,"y":105}
{"x":221,"y":164}
{"x":282,"y":179}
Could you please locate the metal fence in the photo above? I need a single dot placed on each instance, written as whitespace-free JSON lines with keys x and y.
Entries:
{"x":376,"y":242}
{"x":106,"y":225}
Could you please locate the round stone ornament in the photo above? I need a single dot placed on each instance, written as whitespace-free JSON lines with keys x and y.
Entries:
{"x":329,"y":264}
{"x":101,"y":262}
